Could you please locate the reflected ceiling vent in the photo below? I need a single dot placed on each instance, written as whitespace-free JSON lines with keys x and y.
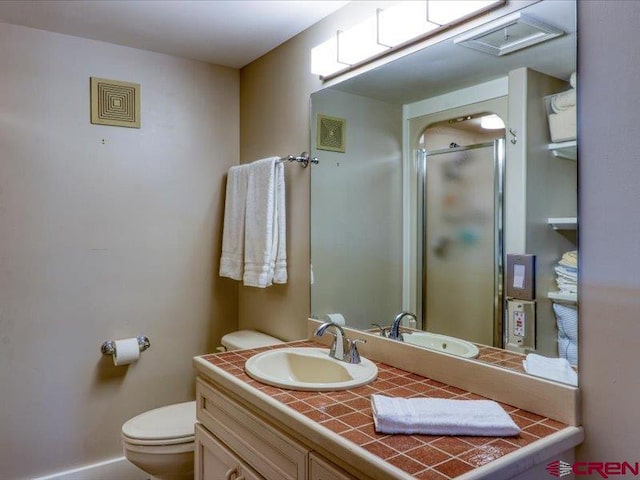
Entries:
{"x":509,"y":34}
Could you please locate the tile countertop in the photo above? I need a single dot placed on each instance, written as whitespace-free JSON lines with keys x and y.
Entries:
{"x":345,"y":416}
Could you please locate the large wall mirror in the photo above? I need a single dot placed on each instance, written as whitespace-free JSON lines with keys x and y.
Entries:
{"x":447,"y":188}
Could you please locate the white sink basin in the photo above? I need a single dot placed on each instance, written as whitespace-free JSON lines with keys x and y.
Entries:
{"x":442,"y":343}
{"x":308,"y":369}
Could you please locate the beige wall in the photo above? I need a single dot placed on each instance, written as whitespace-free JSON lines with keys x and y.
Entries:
{"x":274,"y":120}
{"x":274,"y":111}
{"x":609,"y":186}
{"x":104,"y":240}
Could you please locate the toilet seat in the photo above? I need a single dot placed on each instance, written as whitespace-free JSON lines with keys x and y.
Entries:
{"x":164,"y":426}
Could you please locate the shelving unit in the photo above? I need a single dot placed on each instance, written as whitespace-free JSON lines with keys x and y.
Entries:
{"x":563,"y":223}
{"x":566,"y":150}
{"x":563,"y":296}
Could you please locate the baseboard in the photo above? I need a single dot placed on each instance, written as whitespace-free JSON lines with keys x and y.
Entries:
{"x":115,"y":468}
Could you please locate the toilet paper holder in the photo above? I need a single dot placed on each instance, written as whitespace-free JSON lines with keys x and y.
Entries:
{"x":109,"y":347}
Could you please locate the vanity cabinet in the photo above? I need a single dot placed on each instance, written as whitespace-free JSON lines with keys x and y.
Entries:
{"x":274,"y":455}
{"x":321,"y":469}
{"x":232,"y":443}
{"x":214,"y":461}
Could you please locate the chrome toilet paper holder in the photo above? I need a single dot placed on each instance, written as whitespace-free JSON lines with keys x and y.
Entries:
{"x":109,"y":347}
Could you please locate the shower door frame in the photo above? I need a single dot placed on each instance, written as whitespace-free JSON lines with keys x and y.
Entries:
{"x":499,"y":153}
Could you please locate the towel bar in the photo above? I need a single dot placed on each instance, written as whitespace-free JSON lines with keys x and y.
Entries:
{"x":303,"y":158}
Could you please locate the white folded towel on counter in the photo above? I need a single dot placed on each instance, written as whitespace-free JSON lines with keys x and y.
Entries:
{"x":557,"y":369}
{"x":438,"y":416}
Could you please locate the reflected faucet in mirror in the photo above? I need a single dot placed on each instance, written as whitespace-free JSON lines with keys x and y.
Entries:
{"x":394,"y":333}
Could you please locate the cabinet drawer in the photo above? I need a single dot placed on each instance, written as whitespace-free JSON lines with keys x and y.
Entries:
{"x":216,"y":462}
{"x":322,"y":469}
{"x":274,"y":455}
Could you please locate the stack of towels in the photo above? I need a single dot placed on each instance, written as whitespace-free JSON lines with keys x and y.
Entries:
{"x":562,"y":114}
{"x":439,"y":416}
{"x":254,"y":232}
{"x":567,"y":272}
{"x":566,"y":314}
{"x":567,"y":322}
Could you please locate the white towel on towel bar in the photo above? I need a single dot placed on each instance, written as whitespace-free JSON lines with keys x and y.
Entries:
{"x":232,"y":258}
{"x":254,"y":233}
{"x":439,"y":416}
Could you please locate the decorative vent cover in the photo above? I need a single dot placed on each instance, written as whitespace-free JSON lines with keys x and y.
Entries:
{"x":331,"y":133}
{"x":115,"y":103}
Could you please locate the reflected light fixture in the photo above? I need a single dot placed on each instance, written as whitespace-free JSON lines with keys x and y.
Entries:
{"x":402,"y":22}
{"x":491,"y":122}
{"x":444,"y":12}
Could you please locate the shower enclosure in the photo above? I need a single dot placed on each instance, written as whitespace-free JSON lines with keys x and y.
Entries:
{"x":460,"y":192}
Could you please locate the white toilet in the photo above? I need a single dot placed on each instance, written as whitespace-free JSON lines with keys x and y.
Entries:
{"x":161,"y":441}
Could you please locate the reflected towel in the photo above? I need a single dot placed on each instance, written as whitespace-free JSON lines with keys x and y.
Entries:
{"x":569,"y":259}
{"x":563,"y":101}
{"x":438,"y":416}
{"x":557,"y":369}
{"x":568,"y":349}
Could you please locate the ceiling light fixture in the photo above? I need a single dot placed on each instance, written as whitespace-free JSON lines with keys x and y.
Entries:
{"x":391,"y":30}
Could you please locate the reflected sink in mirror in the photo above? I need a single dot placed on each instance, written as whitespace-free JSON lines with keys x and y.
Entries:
{"x":309,"y":369}
{"x":442,"y":343}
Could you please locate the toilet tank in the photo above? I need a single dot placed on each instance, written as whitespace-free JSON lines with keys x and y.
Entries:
{"x":247,"y":339}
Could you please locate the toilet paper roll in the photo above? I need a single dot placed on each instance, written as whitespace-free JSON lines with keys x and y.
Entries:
{"x":127,"y":351}
{"x":336,"y":318}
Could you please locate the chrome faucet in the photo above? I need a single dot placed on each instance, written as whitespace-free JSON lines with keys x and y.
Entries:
{"x":340,"y":343}
{"x":395,"y":328}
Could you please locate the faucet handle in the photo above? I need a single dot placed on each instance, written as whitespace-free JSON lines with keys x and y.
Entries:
{"x":384,"y":331}
{"x":354,"y":355}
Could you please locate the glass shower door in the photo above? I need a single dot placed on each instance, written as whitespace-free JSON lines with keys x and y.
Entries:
{"x":461,"y":192}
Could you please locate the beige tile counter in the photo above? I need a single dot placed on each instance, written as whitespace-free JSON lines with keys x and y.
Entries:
{"x":339,"y":425}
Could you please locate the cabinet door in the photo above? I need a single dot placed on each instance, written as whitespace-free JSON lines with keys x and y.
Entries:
{"x":214,"y":461}
{"x":321,"y":469}
{"x":268,"y":450}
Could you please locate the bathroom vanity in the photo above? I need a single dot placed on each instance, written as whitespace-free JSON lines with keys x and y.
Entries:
{"x":249,"y":430}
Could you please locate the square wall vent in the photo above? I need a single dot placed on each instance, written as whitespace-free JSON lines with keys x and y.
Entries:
{"x":509,"y":34}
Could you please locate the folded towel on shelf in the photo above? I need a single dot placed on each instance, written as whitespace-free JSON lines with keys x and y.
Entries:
{"x":557,"y":369}
{"x":563,"y":101}
{"x":254,"y":230}
{"x":438,"y":416}
{"x":567,"y":321}
{"x":566,"y":272}
{"x":566,"y":287}
{"x":568,"y":349}
{"x":569,"y":259}
{"x":563,"y":125}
